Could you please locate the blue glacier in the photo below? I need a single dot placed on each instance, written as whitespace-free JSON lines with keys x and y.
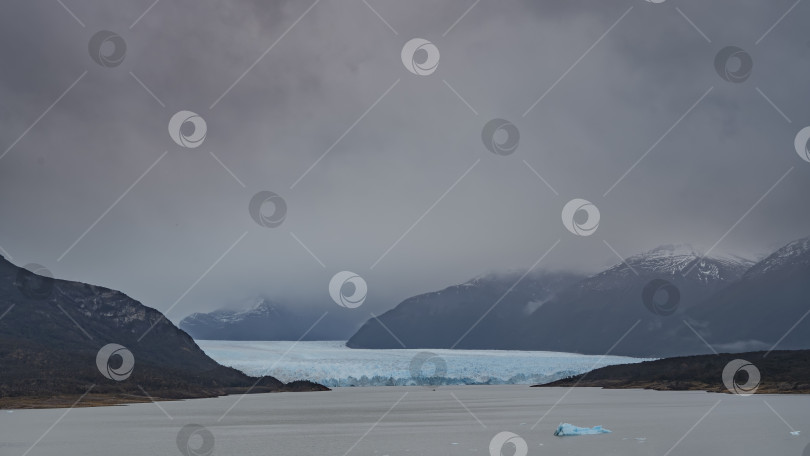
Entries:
{"x":332,"y":364}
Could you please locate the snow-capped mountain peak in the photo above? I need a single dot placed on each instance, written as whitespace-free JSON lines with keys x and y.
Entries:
{"x":256,"y":307}
{"x":670,"y":250}
{"x":682,"y":260}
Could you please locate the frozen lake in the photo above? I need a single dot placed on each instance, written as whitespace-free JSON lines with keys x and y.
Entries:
{"x":454,"y":420}
{"x":332,"y":364}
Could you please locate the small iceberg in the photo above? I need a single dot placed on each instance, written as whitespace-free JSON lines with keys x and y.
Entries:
{"x":566,"y":429}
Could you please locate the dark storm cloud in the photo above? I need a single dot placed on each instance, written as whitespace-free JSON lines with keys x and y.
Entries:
{"x":396,"y":163}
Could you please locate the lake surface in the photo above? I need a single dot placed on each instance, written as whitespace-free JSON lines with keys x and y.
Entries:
{"x":454,"y":420}
{"x":333,"y":364}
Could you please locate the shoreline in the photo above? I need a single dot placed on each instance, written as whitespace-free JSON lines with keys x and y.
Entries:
{"x":777,"y":372}
{"x":12,"y":404}
{"x":119,"y":399}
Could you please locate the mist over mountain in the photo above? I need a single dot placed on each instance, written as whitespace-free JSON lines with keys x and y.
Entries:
{"x":650,"y":305}
{"x":595,"y":314}
{"x":264,"y":319}
{"x":378,"y":179}
{"x":656,"y":303}
{"x":439,"y":319}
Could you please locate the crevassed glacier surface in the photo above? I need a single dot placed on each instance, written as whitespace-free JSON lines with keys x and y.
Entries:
{"x":332,"y":364}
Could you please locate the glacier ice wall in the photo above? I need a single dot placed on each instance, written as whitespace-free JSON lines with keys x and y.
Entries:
{"x":332,"y":364}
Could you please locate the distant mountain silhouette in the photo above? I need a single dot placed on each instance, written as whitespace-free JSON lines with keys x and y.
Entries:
{"x":263,"y":319}
{"x":53,"y":329}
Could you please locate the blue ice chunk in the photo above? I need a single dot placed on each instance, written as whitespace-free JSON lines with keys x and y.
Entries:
{"x":565,"y":429}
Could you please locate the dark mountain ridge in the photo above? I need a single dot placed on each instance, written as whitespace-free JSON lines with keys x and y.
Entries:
{"x":769,"y":304}
{"x":729,"y":301}
{"x":52,"y":331}
{"x":598,"y":312}
{"x":440,"y":319}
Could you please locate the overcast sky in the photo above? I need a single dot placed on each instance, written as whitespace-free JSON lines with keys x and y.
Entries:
{"x":408,"y":196}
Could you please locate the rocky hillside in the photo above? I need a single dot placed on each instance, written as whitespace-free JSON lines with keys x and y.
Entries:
{"x":52,"y":330}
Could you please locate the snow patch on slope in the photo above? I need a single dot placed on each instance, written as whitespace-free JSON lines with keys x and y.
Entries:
{"x":676,"y":260}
